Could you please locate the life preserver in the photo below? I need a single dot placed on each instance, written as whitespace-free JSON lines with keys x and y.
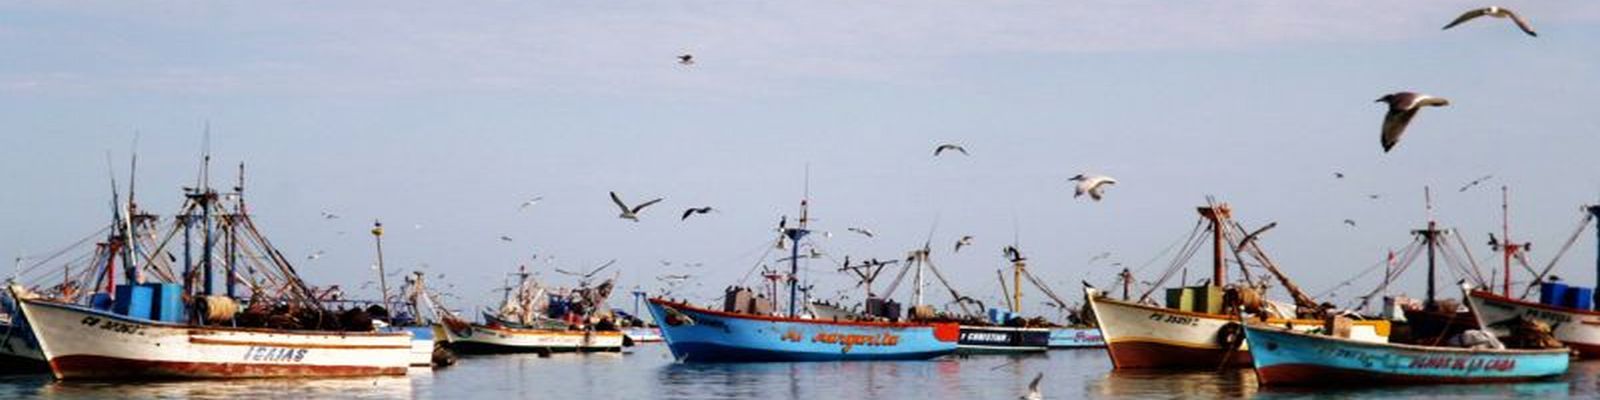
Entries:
{"x":1230,"y":336}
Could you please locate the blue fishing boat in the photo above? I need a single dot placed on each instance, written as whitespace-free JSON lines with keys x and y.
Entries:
{"x":1288,"y":358}
{"x":1075,"y":338}
{"x":749,"y":329}
{"x":697,"y":334}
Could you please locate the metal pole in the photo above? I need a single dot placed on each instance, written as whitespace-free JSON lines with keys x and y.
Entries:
{"x":1016,"y":286}
{"x":205,"y":252}
{"x":383,"y":281}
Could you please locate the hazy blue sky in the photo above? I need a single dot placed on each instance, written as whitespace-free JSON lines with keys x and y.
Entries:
{"x":448,"y":117}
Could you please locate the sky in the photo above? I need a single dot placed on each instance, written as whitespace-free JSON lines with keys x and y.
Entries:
{"x":441,"y":119}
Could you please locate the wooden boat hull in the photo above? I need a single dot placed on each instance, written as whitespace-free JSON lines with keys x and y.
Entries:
{"x":1287,"y":358}
{"x":83,"y":343}
{"x":1578,"y":329}
{"x":699,"y":335}
{"x":483,"y":339}
{"x":1076,"y":338}
{"x":1146,"y":337}
{"x":1002,"y":340}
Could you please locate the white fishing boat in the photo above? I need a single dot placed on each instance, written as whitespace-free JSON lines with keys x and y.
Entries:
{"x":536,"y":319}
{"x":83,"y":342}
{"x":145,"y":320}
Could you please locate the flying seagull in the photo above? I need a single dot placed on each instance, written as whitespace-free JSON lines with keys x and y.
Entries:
{"x":1475,"y":182}
{"x":1374,"y":196}
{"x":1033,"y":389}
{"x":862,"y":231}
{"x":630,"y":213}
{"x":329,"y":215}
{"x":315,"y":255}
{"x":948,"y":146}
{"x":505,"y":238}
{"x":530,"y":202}
{"x":1092,"y":184}
{"x":1497,"y":12}
{"x":1403,"y":106}
{"x":965,"y":241}
{"x":686,"y":59}
{"x":1097,"y":257}
{"x":692,"y":211}
{"x":1350,"y":222}
{"x":1338,"y":175}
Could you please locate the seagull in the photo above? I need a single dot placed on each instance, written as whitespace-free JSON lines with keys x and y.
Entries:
{"x":666,"y":263}
{"x":1350,"y":222}
{"x":862,"y":231}
{"x":965,"y":241}
{"x":1475,"y":182}
{"x":1497,"y":12}
{"x":1033,"y":389}
{"x":315,"y":255}
{"x":530,"y":202}
{"x":692,"y":211}
{"x":1338,"y":175}
{"x":1092,"y":184}
{"x":1374,"y":196}
{"x":630,"y":213}
{"x":505,"y":238}
{"x":686,"y":59}
{"x":1403,"y":106}
{"x":948,"y":146}
{"x":1013,"y":254}
{"x":329,"y":215}
{"x":1097,"y":257}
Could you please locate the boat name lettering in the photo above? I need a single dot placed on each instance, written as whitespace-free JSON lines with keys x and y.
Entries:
{"x":113,"y":326}
{"x":1464,"y":363}
{"x":846,"y":340}
{"x":268,"y":353}
{"x":985,"y":337}
{"x":1548,"y":315}
{"x":1173,"y":319}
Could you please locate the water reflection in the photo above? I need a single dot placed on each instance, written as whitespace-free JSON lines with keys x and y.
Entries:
{"x":386,"y":387}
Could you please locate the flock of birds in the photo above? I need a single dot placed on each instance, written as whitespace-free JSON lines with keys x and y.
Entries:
{"x":1402,"y":108}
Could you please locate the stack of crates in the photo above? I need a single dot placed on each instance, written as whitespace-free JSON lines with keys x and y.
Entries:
{"x":1201,"y":299}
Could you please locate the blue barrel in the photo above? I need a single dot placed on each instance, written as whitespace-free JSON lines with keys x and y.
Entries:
{"x":133,"y":301}
{"x":1579,"y":297}
{"x":1552,"y":293}
{"x":100,"y":301}
{"x":168,"y":304}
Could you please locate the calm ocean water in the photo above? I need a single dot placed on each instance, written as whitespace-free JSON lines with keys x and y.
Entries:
{"x":648,"y":373}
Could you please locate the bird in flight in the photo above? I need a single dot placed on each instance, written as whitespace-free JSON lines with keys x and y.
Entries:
{"x":1033,"y":389}
{"x":693,"y":211}
{"x":1496,"y":12}
{"x":1093,"y":185}
{"x":1097,"y":257}
{"x":1374,"y":196}
{"x":1350,"y":222}
{"x":315,"y":255}
{"x":530,"y":202}
{"x":1475,"y":182}
{"x":630,"y":213}
{"x":1402,"y":107}
{"x":964,"y":242}
{"x":505,"y":238}
{"x":862,"y":231}
{"x":943,"y":147}
{"x":1012,"y":253}
{"x":686,"y":59}
{"x":1338,"y":175}
{"x":329,"y":215}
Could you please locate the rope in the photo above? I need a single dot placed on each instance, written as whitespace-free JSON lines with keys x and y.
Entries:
{"x":1564,"y":247}
{"x":1197,"y":237}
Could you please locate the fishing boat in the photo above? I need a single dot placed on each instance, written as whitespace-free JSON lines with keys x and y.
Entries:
{"x":1076,"y":338}
{"x":19,"y":352}
{"x":636,"y":330}
{"x":536,"y":319}
{"x":748,"y":329}
{"x":1567,"y":310}
{"x":1197,"y":328}
{"x":1285,"y":357}
{"x":181,"y":327}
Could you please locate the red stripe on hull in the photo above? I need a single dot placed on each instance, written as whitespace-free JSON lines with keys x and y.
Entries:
{"x":1152,"y":355}
{"x":98,"y":367}
{"x":1317,"y":375}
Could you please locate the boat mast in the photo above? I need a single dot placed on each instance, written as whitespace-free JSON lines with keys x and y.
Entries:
{"x":1216,"y":214}
{"x":1430,"y":236}
{"x":383,"y":281}
{"x":1510,"y":247}
{"x":794,"y":235}
{"x":1017,"y":264}
{"x":1594,"y":212}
